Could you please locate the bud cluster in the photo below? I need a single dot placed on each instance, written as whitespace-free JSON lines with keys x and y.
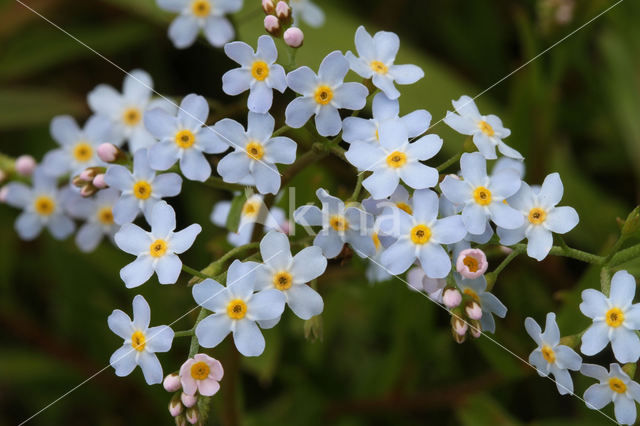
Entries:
{"x":279,"y":21}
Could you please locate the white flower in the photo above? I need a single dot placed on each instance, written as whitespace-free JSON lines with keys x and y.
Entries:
{"x":447,"y":208}
{"x":307,"y":11}
{"x":487,"y":130}
{"x":490,"y":304}
{"x":483,"y":197}
{"x":290,"y":274}
{"x":78,"y":147}
{"x":236,"y":308}
{"x":615,"y":386}
{"x":376,"y":60}
{"x":541,"y":217}
{"x":615,"y":319}
{"x":258,"y":73}
{"x":550,"y":357}
{"x":394,"y":159}
{"x":157,"y":250}
{"x":323,"y":95}
{"x":141,"y":190}
{"x":42,"y":206}
{"x":340,"y":225}
{"x":252,"y":211}
{"x":356,"y":129}
{"x":98,"y":214}
{"x":375,"y":272}
{"x":509,"y":163}
{"x":200,"y":14}
{"x":141,"y":342}
{"x":420,"y":236}
{"x":255,"y":152}
{"x":185,"y":138}
{"x":126,"y":109}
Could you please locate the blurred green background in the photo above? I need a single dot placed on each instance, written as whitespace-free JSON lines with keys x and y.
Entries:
{"x":387,"y":356}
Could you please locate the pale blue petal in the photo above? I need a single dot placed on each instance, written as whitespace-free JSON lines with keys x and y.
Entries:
{"x":213,"y":329}
{"x":248,"y":338}
{"x":137,"y":272}
{"x":299,"y":111}
{"x":304,"y":301}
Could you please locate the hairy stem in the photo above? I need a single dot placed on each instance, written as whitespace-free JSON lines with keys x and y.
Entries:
{"x":567,"y":251}
{"x":625,"y":255}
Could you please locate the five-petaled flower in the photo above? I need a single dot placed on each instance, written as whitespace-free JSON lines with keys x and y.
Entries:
{"x":201,"y":374}
{"x":615,"y":386}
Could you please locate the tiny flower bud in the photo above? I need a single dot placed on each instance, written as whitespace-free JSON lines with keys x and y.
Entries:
{"x":294,"y":37}
{"x":272,"y":25}
{"x":88,"y":190}
{"x":171,"y":383}
{"x":268,"y":7}
{"x":86,"y":175}
{"x":99,"y":182}
{"x":458,"y":338}
{"x":3,"y":176}
{"x":3,"y":193}
{"x":459,"y":326}
{"x":632,"y":223}
{"x":108,"y":152}
{"x":476,"y":329}
{"x":506,"y":250}
{"x":472,"y":263}
{"x":192,"y":415}
{"x":25,"y":165}
{"x":175,"y":406}
{"x":181,"y":421}
{"x":474,"y":311}
{"x":451,"y":298}
{"x":283,"y":11}
{"x":188,"y":400}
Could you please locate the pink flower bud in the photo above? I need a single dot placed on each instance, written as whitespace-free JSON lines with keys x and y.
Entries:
{"x":175,"y":408}
{"x":294,"y":37}
{"x":88,"y":190}
{"x":271,"y":24}
{"x":506,"y":250}
{"x":99,"y":182}
{"x":283,"y":11}
{"x":268,"y":7}
{"x":474,"y":311}
{"x":192,"y":415}
{"x":108,"y":152}
{"x":3,"y":193}
{"x":188,"y":400}
{"x":25,"y":165}
{"x":472,"y":263}
{"x":451,"y":298}
{"x":476,"y":330}
{"x":171,"y":383}
{"x":87,"y":175}
{"x":460,"y":327}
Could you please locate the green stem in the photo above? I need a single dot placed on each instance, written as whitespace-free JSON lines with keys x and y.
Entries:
{"x":195,"y":346}
{"x":218,"y":183}
{"x":280,"y":131}
{"x":493,"y":275}
{"x":184,"y":333}
{"x":194,"y":272}
{"x":580,"y":255}
{"x":449,"y":162}
{"x":358,"y":188}
{"x":625,"y":255}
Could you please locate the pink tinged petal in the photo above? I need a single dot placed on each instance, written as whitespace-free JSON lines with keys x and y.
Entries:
{"x":123,"y":360}
{"x":598,"y":396}
{"x":267,"y":177}
{"x":505,"y":216}
{"x":159,"y":339}
{"x":248,"y":338}
{"x":365,"y":156}
{"x":119,"y":177}
{"x":213,"y":329}
{"x":105,"y":100}
{"x":18,"y":195}
{"x":194,"y":165}
{"x":183,"y":31}
{"x":551,"y":335}
{"x":595,"y":338}
{"x":308,"y":264}
{"x":539,"y":242}
{"x":623,"y":289}
{"x":425,"y":148}
{"x":211,"y":295}
{"x":304,"y":301}
{"x":137,"y":272}
{"x":160,"y":123}
{"x":385,"y":84}
{"x":239,"y":52}
{"x":267,"y":49}
{"x":141,"y":313}
{"x":189,"y":384}
{"x":419,"y":176}
{"x":275,"y":250}
{"x":505,"y":182}
{"x":163,"y":220}
{"x":168,"y":269}
{"x":625,"y":410}
{"x":236,"y":81}
{"x":448,"y":230}
{"x":434,"y":261}
{"x":266,"y":305}
{"x":364,"y":44}
{"x":460,"y":124}
{"x":406,"y":74}
{"x":330,"y":242}
{"x":333,"y":68}
{"x":533,"y":329}
{"x":381,"y":183}
{"x":551,"y":191}
{"x":485,"y":145}
{"x":302,"y":80}
{"x":474,"y":168}
{"x":299,"y":111}
{"x":328,"y":121}
{"x":350,"y":96}
{"x":626,"y":345}
{"x":455,"y":190}
{"x":208,"y":387}
{"x":398,"y":257}
{"x":474,"y":218}
{"x":561,"y":219}
{"x":167,"y":185}
{"x":594,"y":303}
{"x":120,"y":324}
{"x":465,"y":106}
{"x":151,"y":367}
{"x":425,"y":206}
{"x":280,"y":150}
{"x":65,"y":130}
{"x":218,"y":31}
{"x":132,"y":239}
{"x":260,"y":98}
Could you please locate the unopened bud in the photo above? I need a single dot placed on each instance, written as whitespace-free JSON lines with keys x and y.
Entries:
{"x":88,"y":190}
{"x":313,"y":329}
{"x":3,"y":176}
{"x":268,"y":7}
{"x":476,"y":329}
{"x":181,"y":421}
{"x":283,"y":11}
{"x":188,"y":400}
{"x":89,"y":173}
{"x":294,"y":37}
{"x":192,"y":415}
{"x":25,"y":165}
{"x":3,"y":193}
{"x":474,"y":311}
{"x":109,"y":153}
{"x":459,"y":326}
{"x":175,"y":406}
{"x":171,"y":383}
{"x":632,"y":224}
{"x":272,"y":25}
{"x":451,"y":298}
{"x":99,"y":182}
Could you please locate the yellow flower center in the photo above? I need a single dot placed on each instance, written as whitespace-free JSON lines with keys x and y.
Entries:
{"x":482,"y":196}
{"x":472,"y":294}
{"x":486,"y":128}
{"x":260,"y":70}
{"x":82,"y":152}
{"x":378,"y":67}
{"x":237,"y":309}
{"x":201,"y":8}
{"x":282,"y":280}
{"x":548,"y":354}
{"x":396,"y":159}
{"x":420,"y":234}
{"x":131,"y":116}
{"x":617,"y":385}
{"x":339,"y":223}
{"x":142,"y":190}
{"x":614,"y":317}
{"x":44,"y":205}
{"x":185,"y":138}
{"x":405,"y":207}
{"x":376,"y":240}
{"x":138,"y":341}
{"x":323,"y":95}
{"x":251,"y":208}
{"x":200,"y":370}
{"x":471,"y":263}
{"x":105,"y":216}
{"x":255,"y":151}
{"x":537,"y":215}
{"x":158,"y":248}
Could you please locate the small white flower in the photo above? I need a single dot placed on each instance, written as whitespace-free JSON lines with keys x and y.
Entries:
{"x":420,"y":236}
{"x":487,"y":130}
{"x":98,"y":214}
{"x":483,"y":197}
{"x":550,"y":357}
{"x":490,"y":304}
{"x":541,"y":217}
{"x":78,"y":147}
{"x":615,"y":319}
{"x":356,"y":129}
{"x":157,"y":250}
{"x":307,"y":11}
{"x":141,"y":190}
{"x":252,"y":211}
{"x":185,"y":138}
{"x":615,"y":386}
{"x":141,"y":342}
{"x":258,"y":73}
{"x":290,"y":274}
{"x":208,"y":15}
{"x":255,"y":152}
{"x":42,"y":206}
{"x":340,"y":225}
{"x":236,"y":308}
{"x":395,"y":158}
{"x":376,"y":60}
{"x":126,"y":109}
{"x":323,"y":95}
